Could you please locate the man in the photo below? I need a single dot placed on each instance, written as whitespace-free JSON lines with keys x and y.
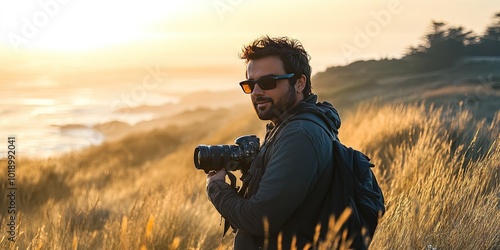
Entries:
{"x":288,"y":181}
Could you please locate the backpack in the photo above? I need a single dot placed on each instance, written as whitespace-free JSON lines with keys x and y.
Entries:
{"x":354,"y":185}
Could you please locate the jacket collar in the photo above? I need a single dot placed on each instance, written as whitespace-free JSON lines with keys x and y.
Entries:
{"x":310,"y":101}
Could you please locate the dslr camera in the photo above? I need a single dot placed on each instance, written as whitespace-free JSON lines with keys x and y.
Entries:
{"x":229,"y":157}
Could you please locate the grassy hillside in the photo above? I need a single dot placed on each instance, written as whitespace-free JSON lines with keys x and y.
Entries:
{"x":467,"y":85}
{"x":437,"y":164}
{"x":105,"y":197}
{"x":439,"y":170}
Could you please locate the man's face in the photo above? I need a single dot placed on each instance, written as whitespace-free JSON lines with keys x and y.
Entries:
{"x":270,"y":104}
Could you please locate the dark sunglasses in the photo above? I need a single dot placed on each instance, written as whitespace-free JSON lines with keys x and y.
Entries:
{"x":265,"y":82}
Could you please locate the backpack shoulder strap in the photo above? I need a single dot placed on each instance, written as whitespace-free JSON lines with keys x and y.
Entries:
{"x":318,"y":119}
{"x":364,"y":195}
{"x":355,"y":163}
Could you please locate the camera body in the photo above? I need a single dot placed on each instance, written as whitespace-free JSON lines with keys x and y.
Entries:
{"x":230,"y":157}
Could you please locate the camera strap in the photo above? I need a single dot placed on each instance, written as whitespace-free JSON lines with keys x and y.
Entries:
{"x":252,"y":177}
{"x":248,"y":181}
{"x":232,"y":180}
{"x":227,"y":224}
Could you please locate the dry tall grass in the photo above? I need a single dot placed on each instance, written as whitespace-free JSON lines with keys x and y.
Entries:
{"x":439,"y":170}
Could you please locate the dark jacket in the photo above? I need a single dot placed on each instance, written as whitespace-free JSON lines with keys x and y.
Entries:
{"x":288,"y":185}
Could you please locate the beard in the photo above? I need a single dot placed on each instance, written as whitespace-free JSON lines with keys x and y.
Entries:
{"x":275,"y":109}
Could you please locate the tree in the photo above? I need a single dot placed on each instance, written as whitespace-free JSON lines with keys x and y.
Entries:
{"x":442,"y":46}
{"x":493,"y":31}
{"x":438,"y":34}
{"x":490,"y":42}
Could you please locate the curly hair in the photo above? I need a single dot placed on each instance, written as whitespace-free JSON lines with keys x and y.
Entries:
{"x":290,"y":51}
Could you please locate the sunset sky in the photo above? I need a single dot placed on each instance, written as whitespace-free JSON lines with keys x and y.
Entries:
{"x":81,"y":61}
{"x":208,"y":34}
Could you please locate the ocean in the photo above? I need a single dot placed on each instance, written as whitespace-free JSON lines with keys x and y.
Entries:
{"x":48,"y":119}
{"x":51,"y":104}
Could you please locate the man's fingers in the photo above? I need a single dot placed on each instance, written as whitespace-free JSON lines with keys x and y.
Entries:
{"x":216,"y":175}
{"x":211,"y":173}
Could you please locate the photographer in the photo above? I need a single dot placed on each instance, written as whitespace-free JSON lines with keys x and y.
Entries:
{"x":286,"y":187}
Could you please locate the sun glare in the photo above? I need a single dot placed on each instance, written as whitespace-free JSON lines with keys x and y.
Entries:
{"x":80,"y":25}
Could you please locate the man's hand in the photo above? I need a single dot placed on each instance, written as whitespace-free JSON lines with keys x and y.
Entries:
{"x":216,"y":175}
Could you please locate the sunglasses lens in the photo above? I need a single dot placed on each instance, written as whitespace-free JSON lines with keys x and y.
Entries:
{"x":247,"y":86}
{"x":267,"y":83}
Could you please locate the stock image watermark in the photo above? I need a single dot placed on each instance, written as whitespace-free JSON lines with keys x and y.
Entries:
{"x":11,"y":190}
{"x":363,"y":37}
{"x":482,"y":92}
{"x":222,"y":7}
{"x":136,"y":96}
{"x":31,"y":26}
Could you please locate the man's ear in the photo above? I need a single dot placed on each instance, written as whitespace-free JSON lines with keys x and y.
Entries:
{"x":300,"y":84}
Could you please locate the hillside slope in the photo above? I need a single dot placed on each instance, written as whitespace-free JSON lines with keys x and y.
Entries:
{"x":474,"y":85}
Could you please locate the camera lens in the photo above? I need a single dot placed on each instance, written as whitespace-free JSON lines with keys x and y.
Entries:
{"x":230,"y":157}
{"x":212,"y":157}
{"x":200,"y":156}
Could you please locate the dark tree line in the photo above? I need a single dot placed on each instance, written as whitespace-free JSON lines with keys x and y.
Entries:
{"x":443,"y":45}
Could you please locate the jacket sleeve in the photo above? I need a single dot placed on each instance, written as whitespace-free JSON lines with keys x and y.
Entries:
{"x":291,"y":173}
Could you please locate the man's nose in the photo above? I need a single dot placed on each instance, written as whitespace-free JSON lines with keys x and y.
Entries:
{"x":257,"y":91}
